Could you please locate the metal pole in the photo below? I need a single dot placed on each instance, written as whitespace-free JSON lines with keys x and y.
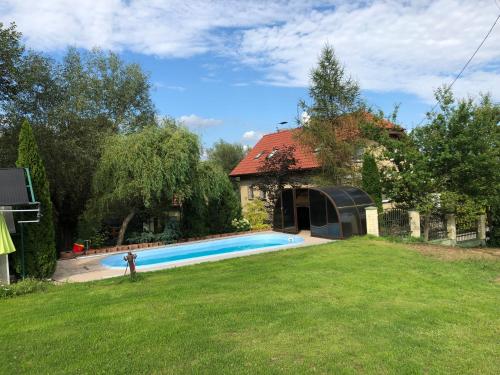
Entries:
{"x":23,"y":273}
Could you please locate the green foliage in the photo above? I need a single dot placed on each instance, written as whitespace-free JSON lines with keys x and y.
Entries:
{"x":213,"y":205}
{"x":256,"y":213}
{"x":11,"y":51}
{"x":26,"y":286}
{"x":335,"y":114}
{"x":73,"y":107}
{"x":170,"y":234}
{"x":226,"y":155}
{"x":143,"y":170}
{"x":371,"y":181}
{"x":39,"y":242}
{"x":456,"y":152}
{"x":241,"y":225}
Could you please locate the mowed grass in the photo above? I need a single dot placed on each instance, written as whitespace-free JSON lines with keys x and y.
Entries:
{"x":356,"y":306}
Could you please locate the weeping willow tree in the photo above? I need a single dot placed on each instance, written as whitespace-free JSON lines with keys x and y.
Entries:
{"x":143,"y":170}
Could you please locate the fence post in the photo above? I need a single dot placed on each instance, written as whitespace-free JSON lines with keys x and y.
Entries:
{"x":414,"y":223}
{"x":451,"y":228}
{"x":372,"y":221}
{"x":481,"y":229}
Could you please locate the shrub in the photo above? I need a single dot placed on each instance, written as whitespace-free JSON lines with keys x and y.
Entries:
{"x":39,"y":238}
{"x":256,"y":214}
{"x":241,"y":225}
{"x":25,"y":286}
{"x":371,"y":179}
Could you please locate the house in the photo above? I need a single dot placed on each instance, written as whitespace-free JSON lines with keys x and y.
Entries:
{"x":247,"y":172}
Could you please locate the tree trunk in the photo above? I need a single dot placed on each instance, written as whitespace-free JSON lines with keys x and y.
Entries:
{"x":123,"y":228}
{"x":427,"y":226}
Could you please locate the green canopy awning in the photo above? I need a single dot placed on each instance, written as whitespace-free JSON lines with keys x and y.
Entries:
{"x":6,"y":245}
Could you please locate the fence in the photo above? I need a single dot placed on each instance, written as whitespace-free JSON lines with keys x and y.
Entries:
{"x":394,"y":222}
{"x":433,"y":227}
{"x":445,"y":229}
{"x":466,"y":228}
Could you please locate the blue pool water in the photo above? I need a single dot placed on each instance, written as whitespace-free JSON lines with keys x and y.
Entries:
{"x":175,"y":253}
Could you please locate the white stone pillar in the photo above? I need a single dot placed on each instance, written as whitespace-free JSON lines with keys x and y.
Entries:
{"x":481,"y":229}
{"x":451,"y":228}
{"x":372,"y":221}
{"x":414,"y":217}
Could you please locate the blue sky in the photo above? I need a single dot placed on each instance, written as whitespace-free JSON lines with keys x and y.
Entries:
{"x":233,"y":69}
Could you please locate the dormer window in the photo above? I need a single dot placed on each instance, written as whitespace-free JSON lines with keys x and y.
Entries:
{"x":271,"y":154}
{"x":259,"y":155}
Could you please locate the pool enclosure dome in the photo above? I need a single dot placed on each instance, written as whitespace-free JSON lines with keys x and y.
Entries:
{"x":331,"y":212}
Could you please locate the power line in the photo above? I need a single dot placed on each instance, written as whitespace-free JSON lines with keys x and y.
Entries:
{"x":468,"y":61}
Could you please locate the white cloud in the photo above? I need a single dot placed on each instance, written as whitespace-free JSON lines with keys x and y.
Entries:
{"x":194,"y":121}
{"x":389,"y":45}
{"x":252,"y":135}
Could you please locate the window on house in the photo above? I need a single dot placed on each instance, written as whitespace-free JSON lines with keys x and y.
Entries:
{"x":250,"y":192}
{"x":259,"y":155}
{"x":271,"y":154}
{"x":262,"y":194}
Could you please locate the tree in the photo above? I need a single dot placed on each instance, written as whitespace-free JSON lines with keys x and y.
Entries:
{"x":334,"y":116}
{"x":39,"y":242}
{"x":449,"y":162}
{"x":277,"y":172}
{"x":11,"y":51}
{"x":370,"y":178}
{"x":73,"y":107}
{"x":213,"y":204}
{"x":143,"y":170}
{"x":226,"y":155}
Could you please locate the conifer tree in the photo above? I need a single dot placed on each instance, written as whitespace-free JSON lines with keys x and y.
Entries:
{"x":39,"y":241}
{"x":371,"y":181}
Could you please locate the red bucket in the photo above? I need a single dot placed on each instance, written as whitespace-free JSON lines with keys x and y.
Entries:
{"x":78,"y":248}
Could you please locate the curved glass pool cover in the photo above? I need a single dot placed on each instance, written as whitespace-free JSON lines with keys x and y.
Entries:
{"x":330,"y":212}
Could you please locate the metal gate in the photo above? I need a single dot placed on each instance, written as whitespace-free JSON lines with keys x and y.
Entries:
{"x":433,"y":227}
{"x":394,"y":222}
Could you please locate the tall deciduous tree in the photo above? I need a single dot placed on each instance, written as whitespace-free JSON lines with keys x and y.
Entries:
{"x":226,"y":155}
{"x":39,"y":243}
{"x":11,"y":51}
{"x":334,"y":114}
{"x":73,"y":106}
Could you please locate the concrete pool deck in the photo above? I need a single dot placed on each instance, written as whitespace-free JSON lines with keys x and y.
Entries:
{"x":88,"y":268}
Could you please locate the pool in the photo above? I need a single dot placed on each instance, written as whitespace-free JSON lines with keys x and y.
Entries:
{"x":205,"y":250}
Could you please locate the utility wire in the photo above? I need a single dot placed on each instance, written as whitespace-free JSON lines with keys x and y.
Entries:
{"x":468,"y":61}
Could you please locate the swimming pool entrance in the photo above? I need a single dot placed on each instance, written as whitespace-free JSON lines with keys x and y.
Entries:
{"x":331,"y":212}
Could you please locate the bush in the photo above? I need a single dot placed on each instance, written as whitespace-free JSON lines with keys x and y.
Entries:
{"x":241,"y":225}
{"x":371,"y":181}
{"x":39,"y":239}
{"x":25,"y":286}
{"x":170,"y":234}
{"x":256,"y":214}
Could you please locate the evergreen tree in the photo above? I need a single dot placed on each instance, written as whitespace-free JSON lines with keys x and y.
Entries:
{"x":371,"y":181}
{"x":335,"y":112}
{"x":39,"y":242}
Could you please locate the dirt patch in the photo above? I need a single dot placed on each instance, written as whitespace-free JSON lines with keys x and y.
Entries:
{"x":456,"y":253}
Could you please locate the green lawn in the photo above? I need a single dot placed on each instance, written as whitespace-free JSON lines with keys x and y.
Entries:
{"x":356,"y":306}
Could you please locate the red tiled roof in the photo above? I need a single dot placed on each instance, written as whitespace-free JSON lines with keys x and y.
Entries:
{"x":250,"y":165}
{"x":305,"y":158}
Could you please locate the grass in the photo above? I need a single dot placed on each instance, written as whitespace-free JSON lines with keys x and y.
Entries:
{"x":356,"y":306}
